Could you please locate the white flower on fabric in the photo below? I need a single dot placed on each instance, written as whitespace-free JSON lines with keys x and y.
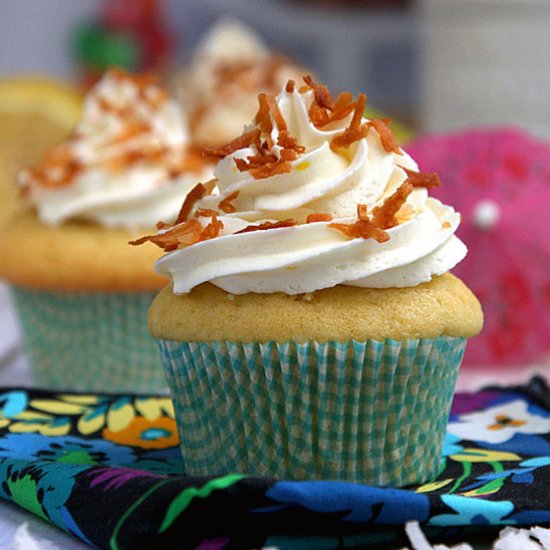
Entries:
{"x":499,"y":424}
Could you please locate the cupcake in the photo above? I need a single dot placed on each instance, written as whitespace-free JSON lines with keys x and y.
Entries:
{"x":327,"y":330}
{"x":81,"y":293}
{"x":220,"y":85}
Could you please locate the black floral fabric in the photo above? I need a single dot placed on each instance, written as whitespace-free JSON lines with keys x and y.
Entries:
{"x":107,"y":469}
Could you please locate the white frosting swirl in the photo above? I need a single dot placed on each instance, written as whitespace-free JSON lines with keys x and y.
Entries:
{"x":126,"y":164}
{"x":312,"y":256}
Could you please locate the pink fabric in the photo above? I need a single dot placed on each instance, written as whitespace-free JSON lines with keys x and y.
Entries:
{"x":508,"y":265}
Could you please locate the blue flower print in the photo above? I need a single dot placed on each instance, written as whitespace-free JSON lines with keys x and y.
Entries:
{"x":361,"y":503}
{"x":13,"y":403}
{"x":473,"y":511}
{"x":66,"y":449}
{"x":450,"y":446}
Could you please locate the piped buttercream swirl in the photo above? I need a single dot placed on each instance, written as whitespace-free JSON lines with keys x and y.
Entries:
{"x":308,"y":180}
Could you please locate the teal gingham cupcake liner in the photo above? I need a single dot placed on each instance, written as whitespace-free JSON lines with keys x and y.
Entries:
{"x":372,"y":412}
{"x":90,"y":341}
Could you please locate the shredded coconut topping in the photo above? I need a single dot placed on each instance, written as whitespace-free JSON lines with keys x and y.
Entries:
{"x":270,"y":151}
{"x":364,"y":227}
{"x":129,"y":138}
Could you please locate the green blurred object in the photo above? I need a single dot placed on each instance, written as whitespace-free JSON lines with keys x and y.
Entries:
{"x":98,"y":48}
{"x":132,"y":35}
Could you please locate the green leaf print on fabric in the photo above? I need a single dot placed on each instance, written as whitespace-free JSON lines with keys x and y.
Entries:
{"x":181,"y":502}
{"x":23,"y":491}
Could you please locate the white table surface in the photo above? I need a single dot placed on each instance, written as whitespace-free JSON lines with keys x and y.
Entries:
{"x":14,"y":371}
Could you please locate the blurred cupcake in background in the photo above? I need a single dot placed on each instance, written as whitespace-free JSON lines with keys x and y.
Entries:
{"x":80,"y":291}
{"x":219,"y":87}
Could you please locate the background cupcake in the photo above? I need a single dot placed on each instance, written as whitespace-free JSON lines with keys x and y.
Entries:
{"x":327,"y":330}
{"x":220,"y":85}
{"x":80,"y":291}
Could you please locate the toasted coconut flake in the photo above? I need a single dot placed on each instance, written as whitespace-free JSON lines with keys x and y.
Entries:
{"x":266,"y":145}
{"x":267,"y":225}
{"x":242,"y":142}
{"x":289,"y":154}
{"x":386,"y":137}
{"x":181,"y":235}
{"x":363,"y":227}
{"x":343,"y":141}
{"x":318,"y":115}
{"x":281,"y":167}
{"x":263,"y":116}
{"x":184,"y":234}
{"x":286,"y":141}
{"x":226,"y":205}
{"x":321,"y":110}
{"x":343,"y":107}
{"x":278,"y":117}
{"x":320,"y":93}
{"x":264,"y":164}
{"x":254,"y":162}
{"x":355,"y":130}
{"x":241,"y":164}
{"x":385,"y":216}
{"x":362,"y":212}
{"x":212,"y":230}
{"x":359,"y":111}
{"x":422,"y":179}
{"x":313,"y":218}
{"x":205,"y":213}
{"x":196,"y":194}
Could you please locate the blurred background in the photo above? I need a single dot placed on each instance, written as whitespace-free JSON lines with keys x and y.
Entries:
{"x":465,"y":83}
{"x":435,"y":64}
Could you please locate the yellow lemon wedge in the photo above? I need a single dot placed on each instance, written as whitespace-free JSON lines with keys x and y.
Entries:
{"x":35,"y":113}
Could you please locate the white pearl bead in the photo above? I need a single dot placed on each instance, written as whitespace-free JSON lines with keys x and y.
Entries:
{"x":486,"y":214}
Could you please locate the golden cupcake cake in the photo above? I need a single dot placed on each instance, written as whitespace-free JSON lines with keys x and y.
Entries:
{"x":312,"y":328}
{"x":81,"y":292}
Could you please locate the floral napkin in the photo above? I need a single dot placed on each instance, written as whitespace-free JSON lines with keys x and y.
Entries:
{"x":106,"y":468}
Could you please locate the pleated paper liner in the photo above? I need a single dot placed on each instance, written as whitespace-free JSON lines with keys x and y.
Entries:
{"x":90,"y":341}
{"x":373,"y":412}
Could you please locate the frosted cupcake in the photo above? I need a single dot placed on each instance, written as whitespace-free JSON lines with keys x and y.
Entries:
{"x":327,"y":331}
{"x":81,"y":292}
{"x":220,"y":85}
